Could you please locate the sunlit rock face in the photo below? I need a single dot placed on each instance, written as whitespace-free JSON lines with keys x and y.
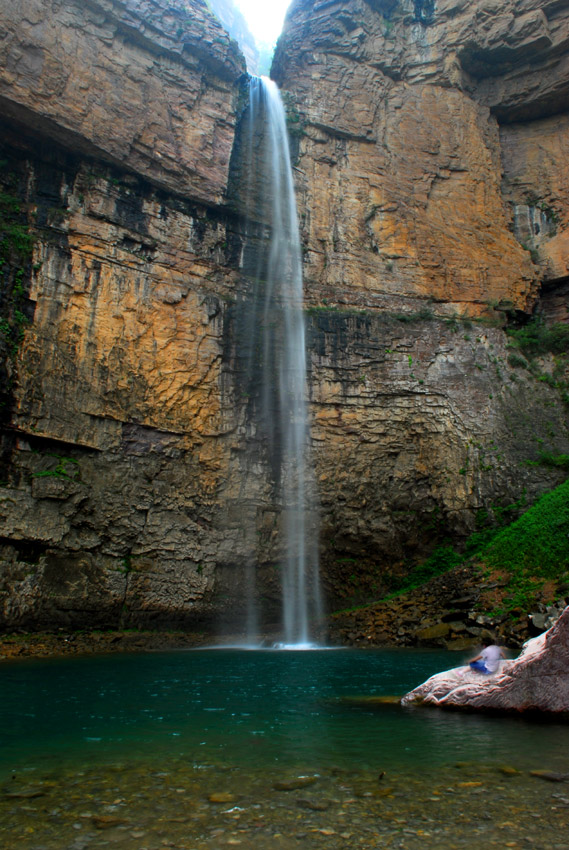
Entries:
{"x":431,"y":181}
{"x":121,"y":418}
{"x":536,"y":681}
{"x":144,"y":83}
{"x":402,"y":109}
{"x":536,"y":185}
{"x":127,"y":434}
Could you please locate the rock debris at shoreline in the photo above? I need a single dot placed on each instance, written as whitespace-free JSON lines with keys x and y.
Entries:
{"x":46,"y":644}
{"x":144,"y":806}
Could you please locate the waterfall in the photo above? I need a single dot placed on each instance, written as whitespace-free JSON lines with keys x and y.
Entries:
{"x":273,"y":351}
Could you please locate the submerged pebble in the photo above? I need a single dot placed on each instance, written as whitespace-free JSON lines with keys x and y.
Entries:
{"x":136,"y":808}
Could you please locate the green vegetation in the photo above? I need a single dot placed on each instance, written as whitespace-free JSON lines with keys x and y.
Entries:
{"x":528,"y":551}
{"x":550,"y":459}
{"x":66,"y":467}
{"x":14,"y":235}
{"x":443,"y":559}
{"x":16,"y":246}
{"x":423,"y":315}
{"x":516,"y":360}
{"x":533,"y":549}
{"x":536,"y":338}
{"x":126,"y":566}
{"x":295,"y":124}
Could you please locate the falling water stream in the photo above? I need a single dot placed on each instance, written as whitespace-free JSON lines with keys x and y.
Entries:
{"x":276,"y":361}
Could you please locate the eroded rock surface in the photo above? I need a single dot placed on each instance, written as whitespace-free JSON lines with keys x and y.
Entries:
{"x":150,"y":85}
{"x":127,"y":430}
{"x":536,"y":681}
{"x":399,"y":109}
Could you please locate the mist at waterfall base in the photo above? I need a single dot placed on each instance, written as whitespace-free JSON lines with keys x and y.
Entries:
{"x":272,"y":355}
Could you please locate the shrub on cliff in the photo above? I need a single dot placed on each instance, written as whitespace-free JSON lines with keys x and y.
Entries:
{"x":537,"y":338}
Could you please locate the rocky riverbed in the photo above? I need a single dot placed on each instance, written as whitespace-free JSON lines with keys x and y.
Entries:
{"x":207,"y":807}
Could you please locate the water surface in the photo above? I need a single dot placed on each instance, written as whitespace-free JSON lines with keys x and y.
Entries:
{"x":250,"y":707}
{"x":161,"y":732}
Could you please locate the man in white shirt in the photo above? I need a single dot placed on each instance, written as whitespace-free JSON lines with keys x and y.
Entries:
{"x":489,"y":659}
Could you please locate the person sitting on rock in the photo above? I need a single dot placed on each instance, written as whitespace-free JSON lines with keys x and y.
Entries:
{"x":489,"y":659}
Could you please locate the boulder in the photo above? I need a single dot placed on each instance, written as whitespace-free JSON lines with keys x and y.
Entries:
{"x":439,"y":630}
{"x":538,"y":680}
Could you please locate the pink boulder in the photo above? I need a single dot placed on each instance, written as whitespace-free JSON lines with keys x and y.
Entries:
{"x":538,"y":680}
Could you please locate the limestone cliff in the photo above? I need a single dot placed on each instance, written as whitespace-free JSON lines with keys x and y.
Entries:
{"x":411,"y":170}
{"x":429,"y":141}
{"x":119,"y":120}
{"x":431,"y":181}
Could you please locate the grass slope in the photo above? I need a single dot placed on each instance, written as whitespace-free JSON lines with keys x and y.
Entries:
{"x":526,"y":554}
{"x":532,"y":550}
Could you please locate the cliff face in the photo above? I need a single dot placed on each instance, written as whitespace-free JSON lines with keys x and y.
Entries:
{"x":119,"y":126}
{"x":411,"y":170}
{"x":149,"y":85}
{"x":429,"y":147}
{"x":236,"y":25}
{"x":431,"y":181}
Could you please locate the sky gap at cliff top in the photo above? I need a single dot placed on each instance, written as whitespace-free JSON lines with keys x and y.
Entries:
{"x":264,"y":20}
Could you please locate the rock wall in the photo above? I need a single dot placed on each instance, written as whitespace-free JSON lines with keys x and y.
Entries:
{"x":404,"y":112}
{"x":122,"y":463}
{"x":419,"y":424}
{"x":147,"y":84}
{"x":118,"y":128}
{"x":431,"y":178}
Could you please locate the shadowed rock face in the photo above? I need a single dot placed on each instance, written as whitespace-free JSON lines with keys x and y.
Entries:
{"x":536,"y":681}
{"x":125,"y":412}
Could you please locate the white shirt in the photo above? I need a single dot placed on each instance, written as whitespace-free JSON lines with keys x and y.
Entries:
{"x":491,"y":656}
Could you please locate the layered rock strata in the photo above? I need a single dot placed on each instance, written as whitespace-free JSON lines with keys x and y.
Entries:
{"x":123,"y":462}
{"x":148,"y":85}
{"x":111,"y":459}
{"x":404,"y":112}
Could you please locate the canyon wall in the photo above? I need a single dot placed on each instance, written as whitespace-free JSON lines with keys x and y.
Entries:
{"x":428,"y":142}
